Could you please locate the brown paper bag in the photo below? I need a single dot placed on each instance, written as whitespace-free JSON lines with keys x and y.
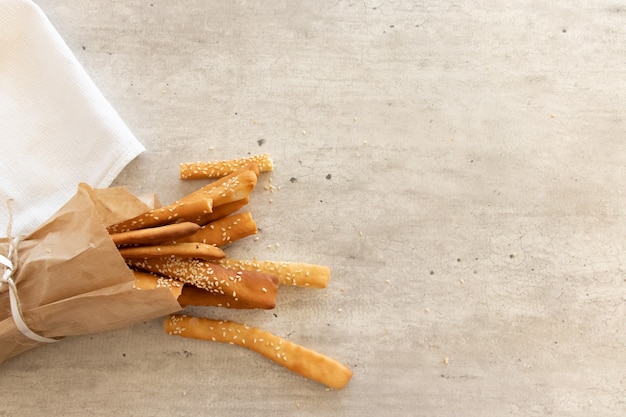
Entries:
{"x":71,"y":279}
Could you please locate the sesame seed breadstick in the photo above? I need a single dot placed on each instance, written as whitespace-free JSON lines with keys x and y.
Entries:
{"x":188,"y":295}
{"x":194,"y":296}
{"x":217,"y":169}
{"x":147,"y":281}
{"x":296,"y":358}
{"x":154,"y":235}
{"x":222,"y":211}
{"x":180,"y":211}
{"x":223,"y":231}
{"x":252,"y":287}
{"x":288,"y":273}
{"x":196,"y":206}
{"x":233,"y":187}
{"x":181,"y":250}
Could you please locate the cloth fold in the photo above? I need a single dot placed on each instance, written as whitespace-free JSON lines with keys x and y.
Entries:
{"x":56,"y":127}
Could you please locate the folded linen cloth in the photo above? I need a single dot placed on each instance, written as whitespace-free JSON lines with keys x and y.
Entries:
{"x":56,"y":128}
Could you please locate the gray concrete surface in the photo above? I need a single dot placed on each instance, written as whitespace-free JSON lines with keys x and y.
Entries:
{"x":460,"y":166}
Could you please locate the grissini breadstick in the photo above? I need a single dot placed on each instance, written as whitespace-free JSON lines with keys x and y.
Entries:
{"x":154,"y":235}
{"x":197,"y":205}
{"x":233,"y":187}
{"x":288,"y":273}
{"x":147,"y":281}
{"x":181,"y":250}
{"x":223,"y":231}
{"x":296,"y":358}
{"x":188,"y":295}
{"x":218,"y":169}
{"x":194,"y":296}
{"x":248,"y":286}
{"x":178,"y":212}
{"x":222,"y":211}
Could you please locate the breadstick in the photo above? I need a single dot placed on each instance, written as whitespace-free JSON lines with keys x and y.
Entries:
{"x":194,"y":296}
{"x":188,"y":295}
{"x":154,"y":234}
{"x":251,"y":287}
{"x":146,"y":281}
{"x":223,"y":231}
{"x":233,"y":187}
{"x":180,"y":211}
{"x":222,"y":211}
{"x":296,"y":358}
{"x":181,"y":250}
{"x":217,"y":169}
{"x":288,"y":273}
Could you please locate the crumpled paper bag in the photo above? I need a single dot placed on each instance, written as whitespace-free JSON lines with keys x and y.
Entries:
{"x":71,"y":279}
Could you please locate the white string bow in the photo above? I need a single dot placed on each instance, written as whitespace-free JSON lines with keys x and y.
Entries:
{"x":10,"y":264}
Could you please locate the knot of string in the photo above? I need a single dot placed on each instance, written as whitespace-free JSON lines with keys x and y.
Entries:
{"x":10,"y":263}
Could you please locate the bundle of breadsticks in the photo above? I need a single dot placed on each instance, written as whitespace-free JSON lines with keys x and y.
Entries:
{"x":181,"y":246}
{"x":67,"y":277}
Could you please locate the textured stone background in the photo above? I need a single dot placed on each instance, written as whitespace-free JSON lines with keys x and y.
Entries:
{"x":458,"y":165}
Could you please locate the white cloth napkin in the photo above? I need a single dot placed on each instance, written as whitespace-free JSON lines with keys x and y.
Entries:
{"x":56,"y":127}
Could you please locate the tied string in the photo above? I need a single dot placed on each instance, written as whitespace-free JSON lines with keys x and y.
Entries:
{"x":10,"y":264}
